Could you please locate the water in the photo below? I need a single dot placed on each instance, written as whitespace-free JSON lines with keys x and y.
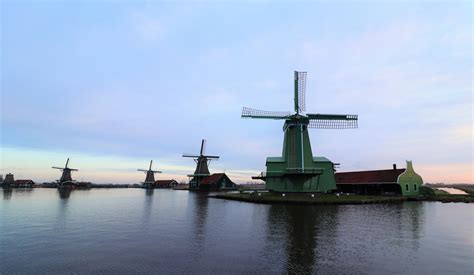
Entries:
{"x":165,"y":231}
{"x":453,"y":191}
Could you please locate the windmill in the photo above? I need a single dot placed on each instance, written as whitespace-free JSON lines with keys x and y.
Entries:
{"x":66,"y":175}
{"x":297,"y":170}
{"x":150,"y":176}
{"x":202,"y":166}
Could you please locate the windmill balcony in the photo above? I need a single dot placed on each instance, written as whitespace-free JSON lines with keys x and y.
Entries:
{"x":310,"y":171}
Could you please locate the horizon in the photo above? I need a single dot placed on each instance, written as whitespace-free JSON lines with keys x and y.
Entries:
{"x":113,"y":85}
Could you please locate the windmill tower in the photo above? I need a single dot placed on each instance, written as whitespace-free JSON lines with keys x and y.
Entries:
{"x":150,"y":176}
{"x":297,"y":170}
{"x":202,"y":166}
{"x":66,"y":178}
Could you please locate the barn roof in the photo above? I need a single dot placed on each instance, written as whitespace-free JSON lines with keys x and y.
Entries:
{"x":364,"y":177}
{"x":22,"y":181}
{"x":165,"y":182}
{"x":212,"y":178}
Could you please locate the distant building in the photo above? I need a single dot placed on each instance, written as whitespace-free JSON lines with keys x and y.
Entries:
{"x":11,"y":182}
{"x":165,"y":183}
{"x":401,"y":182}
{"x":217,"y":182}
{"x":24,"y":183}
{"x":9,"y":178}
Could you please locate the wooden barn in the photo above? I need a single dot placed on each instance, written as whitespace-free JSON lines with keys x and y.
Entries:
{"x":396,"y":182}
{"x":216,"y":182}
{"x":24,"y":183}
{"x":165,"y":183}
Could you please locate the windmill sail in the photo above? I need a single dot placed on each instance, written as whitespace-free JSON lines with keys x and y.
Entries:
{"x":203,"y":146}
{"x":254,"y":113}
{"x":296,"y":170}
{"x":150,"y":176}
{"x":66,"y":177}
{"x":322,"y":121}
{"x":300,"y":91}
{"x":202,"y":166}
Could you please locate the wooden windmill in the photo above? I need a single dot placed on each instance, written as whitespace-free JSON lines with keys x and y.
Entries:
{"x":66,"y":178}
{"x":297,"y":170}
{"x":150,"y":176}
{"x":202,"y":166}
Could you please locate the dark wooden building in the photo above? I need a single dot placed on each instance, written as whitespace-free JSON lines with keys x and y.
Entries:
{"x":216,"y":182}
{"x":24,"y":183}
{"x":165,"y":183}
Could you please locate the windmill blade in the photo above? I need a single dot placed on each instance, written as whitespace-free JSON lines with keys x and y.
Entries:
{"x":189,"y":156}
{"x":300,"y":91}
{"x":155,"y":171}
{"x":151,"y":162}
{"x":142,"y":170}
{"x":203,"y":147}
{"x":60,"y":168}
{"x":323,"y":121}
{"x":67,"y":161}
{"x":254,"y":113}
{"x":211,"y":157}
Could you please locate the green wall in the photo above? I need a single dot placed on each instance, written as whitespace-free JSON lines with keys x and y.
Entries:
{"x":285,"y":173}
{"x":409,"y":181}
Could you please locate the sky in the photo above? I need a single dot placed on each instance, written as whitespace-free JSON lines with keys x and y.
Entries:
{"x":114,"y":84}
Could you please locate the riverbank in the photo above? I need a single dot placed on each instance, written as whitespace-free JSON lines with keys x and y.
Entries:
{"x":276,"y":198}
{"x":271,"y":198}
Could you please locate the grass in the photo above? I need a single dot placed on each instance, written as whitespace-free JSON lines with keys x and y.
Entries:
{"x":440,"y":192}
{"x":426,"y":194}
{"x":446,"y":198}
{"x":469,"y":190}
{"x":307,"y":198}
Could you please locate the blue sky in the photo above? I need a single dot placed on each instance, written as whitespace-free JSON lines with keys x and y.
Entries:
{"x":113,"y":84}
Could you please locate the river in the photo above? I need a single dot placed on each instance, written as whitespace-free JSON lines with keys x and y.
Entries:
{"x":165,"y":231}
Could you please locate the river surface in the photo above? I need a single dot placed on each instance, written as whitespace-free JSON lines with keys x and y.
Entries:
{"x":43,"y":231}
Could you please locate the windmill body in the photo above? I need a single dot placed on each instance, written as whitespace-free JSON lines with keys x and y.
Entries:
{"x":150,"y":176}
{"x":297,"y":170}
{"x":202,"y":166}
{"x":66,"y":178}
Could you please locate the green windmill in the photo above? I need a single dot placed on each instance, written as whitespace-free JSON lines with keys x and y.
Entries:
{"x":297,"y":170}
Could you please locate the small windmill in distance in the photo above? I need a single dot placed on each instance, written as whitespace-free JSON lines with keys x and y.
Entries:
{"x":66,"y":178}
{"x":150,"y":176}
{"x":202,"y":166}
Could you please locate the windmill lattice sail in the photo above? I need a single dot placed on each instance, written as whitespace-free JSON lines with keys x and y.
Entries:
{"x":254,"y":113}
{"x":349,"y":122}
{"x":296,"y":170}
{"x":300,"y":97}
{"x":66,"y":178}
{"x":150,"y":176}
{"x":202,"y":166}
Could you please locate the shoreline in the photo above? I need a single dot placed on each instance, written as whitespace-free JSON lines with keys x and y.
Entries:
{"x":322,"y":199}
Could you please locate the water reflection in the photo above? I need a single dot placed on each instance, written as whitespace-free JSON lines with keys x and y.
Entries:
{"x":7,"y":193}
{"x":148,"y":205}
{"x":64,"y":193}
{"x":149,"y":191}
{"x":415,"y":219}
{"x":298,"y":228}
{"x":199,"y":213}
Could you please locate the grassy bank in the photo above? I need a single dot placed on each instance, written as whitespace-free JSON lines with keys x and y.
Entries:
{"x":446,"y":198}
{"x":271,"y":198}
{"x":295,"y":198}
